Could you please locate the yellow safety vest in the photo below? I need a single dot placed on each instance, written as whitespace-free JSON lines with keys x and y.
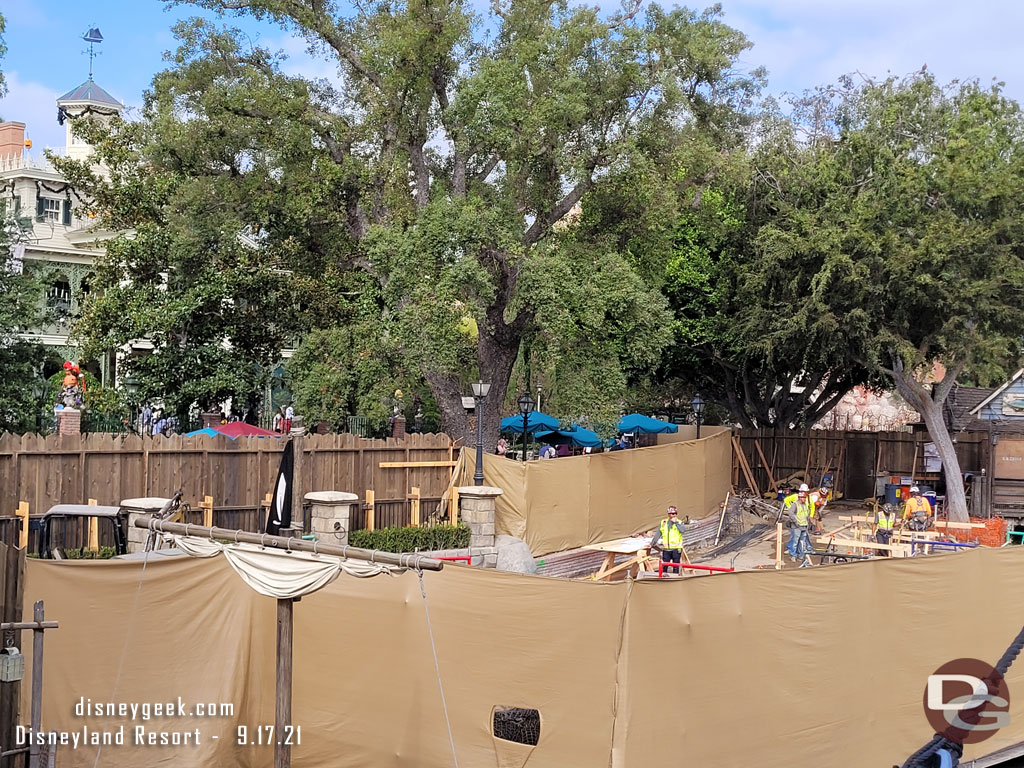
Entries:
{"x":671,"y":538}
{"x":803,"y":510}
{"x":886,"y":522}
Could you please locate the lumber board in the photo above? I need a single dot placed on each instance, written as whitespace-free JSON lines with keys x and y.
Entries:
{"x":937,"y":524}
{"x":862,"y":544}
{"x":767,"y":469}
{"x":410,"y":464}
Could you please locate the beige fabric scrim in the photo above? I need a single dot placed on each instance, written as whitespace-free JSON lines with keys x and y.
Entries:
{"x":773,"y":669}
{"x":576,"y":500}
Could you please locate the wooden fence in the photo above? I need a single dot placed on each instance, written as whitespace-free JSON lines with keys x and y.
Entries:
{"x":852,"y":458}
{"x":238,"y":474}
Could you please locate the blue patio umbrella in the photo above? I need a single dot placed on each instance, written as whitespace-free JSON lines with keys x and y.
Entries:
{"x":645,"y":425}
{"x":204,"y":431}
{"x":578,"y":436}
{"x":535,"y":422}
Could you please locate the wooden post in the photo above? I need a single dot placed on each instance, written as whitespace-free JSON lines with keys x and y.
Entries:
{"x":283,"y":708}
{"x":414,"y":506}
{"x":453,"y":505}
{"x":207,"y":506}
{"x":94,"y":529}
{"x":37,"y":683}
{"x":23,"y":514}
{"x":764,"y":461}
{"x":12,"y":565}
{"x":778,"y":546}
{"x":298,"y":486}
{"x":369,"y":510}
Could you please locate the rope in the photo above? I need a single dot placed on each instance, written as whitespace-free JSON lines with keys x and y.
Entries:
{"x":437,"y":669}
{"x":124,"y":648}
{"x":941,"y":749}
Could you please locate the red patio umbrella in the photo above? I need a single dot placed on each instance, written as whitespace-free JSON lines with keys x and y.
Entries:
{"x":241,"y":429}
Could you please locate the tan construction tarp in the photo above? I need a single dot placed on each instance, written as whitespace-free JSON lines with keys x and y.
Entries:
{"x":809,"y":667}
{"x":559,"y":504}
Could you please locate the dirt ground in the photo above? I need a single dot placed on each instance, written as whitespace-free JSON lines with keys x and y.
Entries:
{"x":760,"y":552}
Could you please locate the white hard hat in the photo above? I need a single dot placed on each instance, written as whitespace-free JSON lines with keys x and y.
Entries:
{"x":803,"y":488}
{"x":914,"y":489}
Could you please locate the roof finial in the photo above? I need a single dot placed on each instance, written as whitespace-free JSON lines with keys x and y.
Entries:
{"x":92,"y":37}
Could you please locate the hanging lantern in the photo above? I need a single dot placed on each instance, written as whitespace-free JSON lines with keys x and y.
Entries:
{"x":12,"y":665}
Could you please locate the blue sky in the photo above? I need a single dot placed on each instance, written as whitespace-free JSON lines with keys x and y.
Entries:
{"x":802,"y":43}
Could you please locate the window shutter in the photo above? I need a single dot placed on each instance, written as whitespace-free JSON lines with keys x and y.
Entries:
{"x":17,"y":204}
{"x":67,"y":213}
{"x":39,"y":207}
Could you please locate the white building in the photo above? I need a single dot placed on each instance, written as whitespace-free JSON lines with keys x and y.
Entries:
{"x":63,"y":243}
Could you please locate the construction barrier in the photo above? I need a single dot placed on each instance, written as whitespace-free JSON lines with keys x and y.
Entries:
{"x":564,"y":503}
{"x":745,"y":652}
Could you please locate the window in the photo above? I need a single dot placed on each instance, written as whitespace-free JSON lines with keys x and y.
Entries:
{"x":51,"y":210}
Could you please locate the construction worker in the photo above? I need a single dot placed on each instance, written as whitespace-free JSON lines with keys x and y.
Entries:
{"x":669,"y":539}
{"x":885,"y":521}
{"x":797,"y":507}
{"x":917,"y":512}
{"x":818,"y":499}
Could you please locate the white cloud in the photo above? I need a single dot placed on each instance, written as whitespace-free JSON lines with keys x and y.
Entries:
{"x":36,"y":106}
{"x":804,"y":43}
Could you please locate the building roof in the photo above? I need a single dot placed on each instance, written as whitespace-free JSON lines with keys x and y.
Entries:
{"x":997,"y":392}
{"x":90,"y":91}
{"x":963,"y":403}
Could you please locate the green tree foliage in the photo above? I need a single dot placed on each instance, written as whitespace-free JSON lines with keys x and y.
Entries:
{"x":185,"y":274}
{"x":21,"y":308}
{"x":430,"y":183}
{"x":883,"y":231}
{"x":3,"y":52}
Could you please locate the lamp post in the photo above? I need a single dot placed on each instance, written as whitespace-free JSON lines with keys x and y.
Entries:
{"x":525,"y":407}
{"x":698,"y":410}
{"x":480,"y":391}
{"x":131,"y":388}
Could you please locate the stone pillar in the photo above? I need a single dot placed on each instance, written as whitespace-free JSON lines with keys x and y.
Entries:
{"x":477,"y":511}
{"x":398,"y":427}
{"x":69,"y":421}
{"x":135,"y":508}
{"x":330,"y":515}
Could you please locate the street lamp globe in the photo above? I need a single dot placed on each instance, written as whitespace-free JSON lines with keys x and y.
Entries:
{"x":698,"y":406}
{"x":525,"y":403}
{"x":480,"y":389}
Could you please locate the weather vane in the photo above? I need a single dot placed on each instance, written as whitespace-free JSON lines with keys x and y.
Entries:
{"x":92,"y":37}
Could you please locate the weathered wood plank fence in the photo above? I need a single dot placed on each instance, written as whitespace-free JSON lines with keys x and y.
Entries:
{"x":238,"y":474}
{"x":851,"y":457}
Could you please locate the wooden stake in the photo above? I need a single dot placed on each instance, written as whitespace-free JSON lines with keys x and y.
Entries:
{"x":414,"y":506}
{"x":913,"y":465}
{"x":207,"y":506}
{"x":757,"y":445}
{"x":37,"y":682}
{"x":22,"y":513}
{"x":283,"y":704}
{"x":369,"y":510}
{"x":778,"y":546}
{"x":94,"y":529}
{"x":725,"y":508}
{"x":454,"y":505}
{"x":807,"y":466}
{"x":745,"y":466}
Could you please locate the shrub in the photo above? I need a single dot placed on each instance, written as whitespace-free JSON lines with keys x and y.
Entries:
{"x":425,"y":539}
{"x":89,"y":554}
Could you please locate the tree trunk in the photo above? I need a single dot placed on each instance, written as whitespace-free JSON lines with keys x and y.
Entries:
{"x":930,"y":405}
{"x":496,"y":356}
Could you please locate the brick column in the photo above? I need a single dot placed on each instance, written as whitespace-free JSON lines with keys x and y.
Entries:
{"x":331,"y":514}
{"x":398,"y":427}
{"x":211,"y":419}
{"x":477,"y":511}
{"x":69,"y":421}
{"x":135,"y":508}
